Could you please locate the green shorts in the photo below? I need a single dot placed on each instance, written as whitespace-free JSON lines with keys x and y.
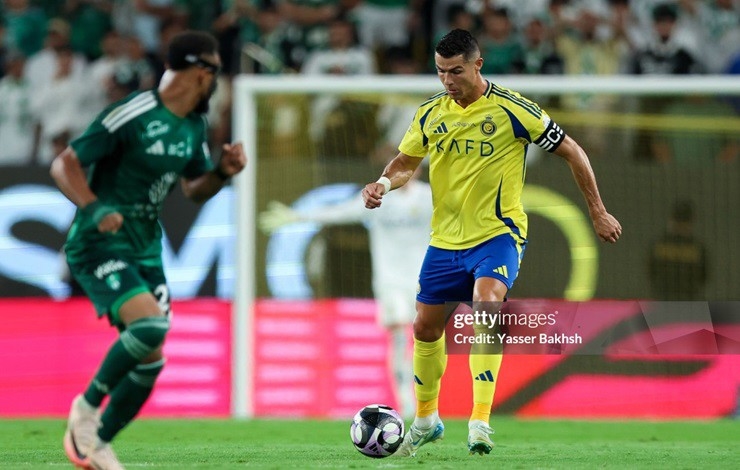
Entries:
{"x":109,"y":281}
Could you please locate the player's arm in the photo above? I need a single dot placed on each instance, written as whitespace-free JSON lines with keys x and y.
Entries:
{"x":397,"y":173}
{"x":200,"y":189}
{"x":67,"y":172}
{"x":278,"y":215}
{"x":606,"y":226}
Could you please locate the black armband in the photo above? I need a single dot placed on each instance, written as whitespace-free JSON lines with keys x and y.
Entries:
{"x":551,"y":138}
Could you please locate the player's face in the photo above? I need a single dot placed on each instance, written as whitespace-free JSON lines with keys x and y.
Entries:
{"x":459,"y":77}
{"x":209,"y":66}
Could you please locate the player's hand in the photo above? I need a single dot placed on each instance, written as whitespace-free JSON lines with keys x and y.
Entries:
{"x":233,"y":159}
{"x":107,"y":218}
{"x":276,"y":216}
{"x":111,"y":223}
{"x":372,"y":194}
{"x":607,"y":227}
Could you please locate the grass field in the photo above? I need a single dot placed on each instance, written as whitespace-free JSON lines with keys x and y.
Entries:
{"x":520,"y":444}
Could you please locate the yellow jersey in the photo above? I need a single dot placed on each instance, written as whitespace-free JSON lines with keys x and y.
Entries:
{"x":477,"y":161}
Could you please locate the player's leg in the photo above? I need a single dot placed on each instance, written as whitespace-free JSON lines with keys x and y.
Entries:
{"x":145,"y":327}
{"x":111,"y":284}
{"x":495,"y":265}
{"x":485,"y":362}
{"x":143,"y":331}
{"x":396,"y":313}
{"x":430,"y":361}
{"x":442,"y":278}
{"x":133,"y":391}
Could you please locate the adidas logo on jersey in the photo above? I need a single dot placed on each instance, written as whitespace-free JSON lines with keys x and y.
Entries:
{"x":502,"y":270}
{"x":157,"y":148}
{"x":486,"y":376}
{"x":441,"y":129}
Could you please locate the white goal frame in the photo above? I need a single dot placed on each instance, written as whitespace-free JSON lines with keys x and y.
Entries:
{"x":245,"y":128}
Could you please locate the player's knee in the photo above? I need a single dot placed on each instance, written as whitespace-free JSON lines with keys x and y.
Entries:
{"x":155,"y":356}
{"x":150,"y":368}
{"x":144,"y":337}
{"x":489,"y":289}
{"x":427,"y":331}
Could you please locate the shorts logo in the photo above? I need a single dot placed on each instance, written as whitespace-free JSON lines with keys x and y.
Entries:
{"x":418,"y":288}
{"x":113,"y":281}
{"x":487,"y":127}
{"x":109,"y":267}
{"x":502,"y":271}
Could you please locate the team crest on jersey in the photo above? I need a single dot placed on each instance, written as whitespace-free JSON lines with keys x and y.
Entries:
{"x":113,"y":281}
{"x":487,"y":127}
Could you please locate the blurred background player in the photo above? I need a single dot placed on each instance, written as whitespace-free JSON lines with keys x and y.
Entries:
{"x":678,"y":259}
{"x":475,"y":134}
{"x":137,"y":149}
{"x":399,"y":237}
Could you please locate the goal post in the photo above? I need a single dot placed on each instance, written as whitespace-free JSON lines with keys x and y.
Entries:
{"x":605,"y":110}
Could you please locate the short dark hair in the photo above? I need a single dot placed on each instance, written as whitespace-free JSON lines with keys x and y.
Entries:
{"x":665,"y":12}
{"x":189,"y":43}
{"x":456,"y":42}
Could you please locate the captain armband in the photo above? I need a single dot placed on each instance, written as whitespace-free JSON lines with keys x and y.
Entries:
{"x":552,"y":137}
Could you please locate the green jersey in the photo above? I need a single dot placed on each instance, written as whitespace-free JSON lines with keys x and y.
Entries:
{"x":136,"y":150}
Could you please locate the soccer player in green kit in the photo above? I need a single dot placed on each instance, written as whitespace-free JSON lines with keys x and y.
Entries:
{"x":135,"y":152}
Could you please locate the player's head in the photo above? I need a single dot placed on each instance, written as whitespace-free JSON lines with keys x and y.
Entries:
{"x":458,"y":62}
{"x":195,"y":53}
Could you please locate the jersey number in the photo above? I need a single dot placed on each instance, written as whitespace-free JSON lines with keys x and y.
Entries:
{"x":162,"y":293}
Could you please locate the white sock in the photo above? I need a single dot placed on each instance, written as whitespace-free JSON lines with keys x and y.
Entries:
{"x":87,"y":405}
{"x":402,"y":370}
{"x":427,"y":421}
{"x":474,"y":422}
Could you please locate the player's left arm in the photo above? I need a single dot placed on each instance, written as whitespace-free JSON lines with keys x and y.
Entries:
{"x":200,"y":189}
{"x":607,"y":227}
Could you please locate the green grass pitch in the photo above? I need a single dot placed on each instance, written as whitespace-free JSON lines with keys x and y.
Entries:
{"x":520,"y":444}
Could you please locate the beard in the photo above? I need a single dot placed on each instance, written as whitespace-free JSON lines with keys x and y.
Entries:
{"x":204,"y":105}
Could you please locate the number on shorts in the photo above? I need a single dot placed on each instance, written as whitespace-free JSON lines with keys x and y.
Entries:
{"x":162,"y":293}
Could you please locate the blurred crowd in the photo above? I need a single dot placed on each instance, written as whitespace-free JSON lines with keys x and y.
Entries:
{"x":63,"y":61}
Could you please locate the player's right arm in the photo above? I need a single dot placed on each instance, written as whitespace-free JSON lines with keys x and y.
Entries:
{"x":397,"y":173}
{"x":278,"y":215}
{"x":67,"y":172}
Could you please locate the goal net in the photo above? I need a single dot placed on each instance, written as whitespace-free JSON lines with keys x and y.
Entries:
{"x":661,"y":148}
{"x":664,"y":151}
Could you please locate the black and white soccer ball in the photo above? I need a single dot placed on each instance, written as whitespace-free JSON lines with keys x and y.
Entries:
{"x":377,"y":431}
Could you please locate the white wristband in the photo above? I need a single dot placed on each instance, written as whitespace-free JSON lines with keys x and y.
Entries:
{"x":386,"y":184}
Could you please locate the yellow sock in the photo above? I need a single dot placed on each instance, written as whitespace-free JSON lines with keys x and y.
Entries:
{"x":484,"y":369}
{"x":426,"y":408}
{"x":430,"y":362}
{"x":481,"y":411}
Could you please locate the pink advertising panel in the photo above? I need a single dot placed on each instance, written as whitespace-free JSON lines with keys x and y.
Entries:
{"x":327,"y":358}
{"x":49,"y":351}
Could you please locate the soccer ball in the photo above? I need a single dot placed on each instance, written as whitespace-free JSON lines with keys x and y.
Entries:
{"x":377,"y":431}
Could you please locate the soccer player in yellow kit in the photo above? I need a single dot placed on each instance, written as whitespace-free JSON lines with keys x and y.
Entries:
{"x":476,"y":134}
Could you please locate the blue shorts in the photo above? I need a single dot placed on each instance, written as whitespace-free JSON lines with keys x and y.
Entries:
{"x":449,"y":275}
